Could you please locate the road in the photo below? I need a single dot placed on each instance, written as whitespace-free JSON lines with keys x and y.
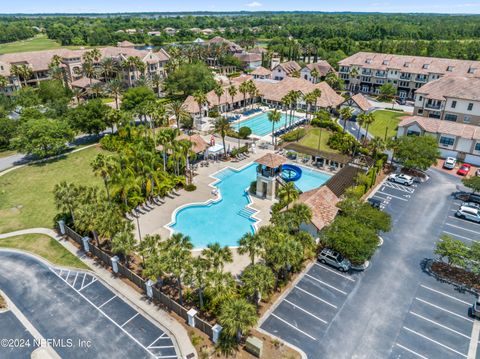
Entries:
{"x":75,"y":305}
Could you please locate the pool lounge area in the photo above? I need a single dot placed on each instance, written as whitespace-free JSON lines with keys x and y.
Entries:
{"x":228,"y":218}
{"x":261,"y":126}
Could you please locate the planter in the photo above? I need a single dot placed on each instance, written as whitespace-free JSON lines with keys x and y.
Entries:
{"x":361,"y":267}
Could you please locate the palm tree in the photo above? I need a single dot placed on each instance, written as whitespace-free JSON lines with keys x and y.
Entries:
{"x":294,"y":95}
{"x":96,"y":88}
{"x":317,"y":93}
{"x":287,"y":102}
{"x":274,"y":117}
{"x":376,"y":145}
{"x":251,"y":244}
{"x":198,"y":276}
{"x":123,"y":243}
{"x":217,"y":255}
{"x":108,"y":67}
{"x":103,"y":166}
{"x":201,"y":100}
{"x":346,"y":113}
{"x":232,"y":91}
{"x":361,"y":120}
{"x":237,"y":316}
{"x":243,"y":88}
{"x":288,"y":193}
{"x":177,"y":110}
{"x":156,"y":82}
{"x":258,"y":280}
{"x":252,"y":90}
{"x":123,"y":184}
{"x":314,"y":73}
{"x":21,"y":71}
{"x":149,"y":246}
{"x":178,"y":258}
{"x":114,"y":88}
{"x":78,"y":93}
{"x":219,"y":91}
{"x":283,"y":253}
{"x":222,"y":126}
{"x":3,"y":82}
{"x":66,"y":196}
{"x":88,"y":70}
{"x":310,"y":99}
{"x":368,"y":121}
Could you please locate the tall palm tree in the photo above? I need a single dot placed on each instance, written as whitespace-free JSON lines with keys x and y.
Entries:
{"x":199,"y":277}
{"x":251,"y":244}
{"x":317,"y":93}
{"x":96,"y":88}
{"x":88,"y":70}
{"x":232,"y":91}
{"x":201,"y":100}
{"x":23,"y":72}
{"x":368,"y":121}
{"x":314,"y":74}
{"x":288,"y":193}
{"x":376,"y":145}
{"x":114,"y":88}
{"x":66,"y":196}
{"x":361,"y":120}
{"x":310,"y":99}
{"x":78,"y":93}
{"x":103,"y":166}
{"x":177,"y":110}
{"x":287,"y":102}
{"x":108,"y":67}
{"x":258,"y":280}
{"x":252,"y":91}
{"x":178,"y":258}
{"x":346,"y":113}
{"x":219,"y":91}
{"x":237,"y":316}
{"x":294,"y":95}
{"x":217,"y":255}
{"x":123,"y":184}
{"x":157,"y":82}
{"x":283,"y":253}
{"x":222,"y":126}
{"x":123,"y":243}
{"x":149,"y":246}
{"x":243,"y":88}
{"x":274,"y":117}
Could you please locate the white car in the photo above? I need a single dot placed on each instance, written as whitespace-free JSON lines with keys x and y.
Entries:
{"x":401,"y":179}
{"x":450,"y":163}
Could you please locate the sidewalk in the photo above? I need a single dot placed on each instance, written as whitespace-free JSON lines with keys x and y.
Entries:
{"x":138,"y":300}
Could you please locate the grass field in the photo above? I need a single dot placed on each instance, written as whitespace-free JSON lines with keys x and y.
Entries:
{"x":37,"y":43}
{"x":312,"y":137}
{"x":26,"y":194}
{"x":44,"y":247}
{"x":385,"y":120}
{"x":7,"y":153}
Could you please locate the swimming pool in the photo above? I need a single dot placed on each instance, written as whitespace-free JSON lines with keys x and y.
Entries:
{"x":261,"y":126}
{"x":227,"y":220}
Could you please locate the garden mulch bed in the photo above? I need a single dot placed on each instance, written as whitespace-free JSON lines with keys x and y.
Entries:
{"x":3,"y":303}
{"x":457,"y":275}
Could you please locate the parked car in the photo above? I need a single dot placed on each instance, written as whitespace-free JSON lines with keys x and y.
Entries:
{"x":468,"y":213}
{"x":335,"y":259}
{"x":401,"y":178}
{"x":374,"y":202}
{"x":449,"y":163}
{"x":463,"y":171}
{"x":475,"y":311}
{"x":471,"y":205}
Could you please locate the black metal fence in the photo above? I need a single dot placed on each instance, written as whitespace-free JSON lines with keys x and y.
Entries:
{"x":158,"y":296}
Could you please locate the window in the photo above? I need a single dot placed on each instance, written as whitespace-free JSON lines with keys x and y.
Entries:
{"x":420,"y":98}
{"x":450,"y":68}
{"x":471,"y":70}
{"x":425,"y":66}
{"x":385,"y":62}
{"x":450,"y":117}
{"x":470,"y":107}
{"x":454,"y":104}
{"x":467,"y":119}
{"x":413,"y":133}
{"x":447,"y":141}
{"x":368,"y":61}
{"x":477,"y":146}
{"x":420,"y":111}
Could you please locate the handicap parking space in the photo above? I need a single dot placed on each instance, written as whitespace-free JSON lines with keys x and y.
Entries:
{"x":303,"y":316}
{"x":133,"y":324}
{"x":12,"y":330}
{"x":437,"y":324}
{"x":458,"y":228}
{"x":394,"y":195}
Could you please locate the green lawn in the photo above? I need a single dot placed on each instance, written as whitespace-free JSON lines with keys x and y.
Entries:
{"x":385,"y":120}
{"x":26,"y":198}
{"x":45,"y":247}
{"x":312,"y":137}
{"x":37,"y":43}
{"x":7,"y":153}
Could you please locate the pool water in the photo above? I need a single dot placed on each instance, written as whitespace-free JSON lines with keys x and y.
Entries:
{"x":261,"y":126}
{"x":228,"y":219}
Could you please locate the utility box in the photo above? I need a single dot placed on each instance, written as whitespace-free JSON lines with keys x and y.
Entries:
{"x":254,"y":346}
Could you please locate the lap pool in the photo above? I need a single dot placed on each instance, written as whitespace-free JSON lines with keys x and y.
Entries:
{"x":228,"y":219}
{"x":261,"y":126}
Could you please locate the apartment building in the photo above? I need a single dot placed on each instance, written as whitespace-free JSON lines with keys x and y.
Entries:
{"x":285,"y":69}
{"x":366,"y":72}
{"x":322,"y":69}
{"x":454,"y":99}
{"x":72,"y":64}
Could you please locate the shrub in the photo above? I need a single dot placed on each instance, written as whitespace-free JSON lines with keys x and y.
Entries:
{"x":253,"y":187}
{"x":294,"y":135}
{"x":328,"y":124}
{"x":190,"y":187}
{"x":244,"y":132}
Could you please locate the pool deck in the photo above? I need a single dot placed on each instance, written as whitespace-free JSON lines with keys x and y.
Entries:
{"x":155,"y":221}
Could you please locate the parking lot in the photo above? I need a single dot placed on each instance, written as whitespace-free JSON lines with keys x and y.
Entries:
{"x":63,"y":304}
{"x":12,"y":329}
{"x":393,"y":309}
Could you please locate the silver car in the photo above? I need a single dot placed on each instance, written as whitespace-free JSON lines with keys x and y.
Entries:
{"x":335,"y":259}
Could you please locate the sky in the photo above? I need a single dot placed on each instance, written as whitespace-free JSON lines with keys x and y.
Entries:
{"x":111,"y":6}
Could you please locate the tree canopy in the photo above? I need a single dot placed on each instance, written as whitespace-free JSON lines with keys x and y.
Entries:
{"x":419,"y":152}
{"x":190,"y":78}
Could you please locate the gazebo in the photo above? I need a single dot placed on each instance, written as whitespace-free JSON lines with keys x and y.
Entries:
{"x":268,"y":170}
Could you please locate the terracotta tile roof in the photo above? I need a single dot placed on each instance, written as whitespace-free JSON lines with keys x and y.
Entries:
{"x":261,"y":71}
{"x":84,"y":82}
{"x":249,"y":57}
{"x":466,"y":88}
{"x":125,"y":44}
{"x":362,"y":102}
{"x":259,"y":50}
{"x":322,"y":201}
{"x":432,"y":125}
{"x":198,"y":143}
{"x":331,"y":156}
{"x":271,"y":160}
{"x":289,"y":67}
{"x":343,"y":179}
{"x":219,"y":40}
{"x":412,"y":64}
{"x":322,"y":66}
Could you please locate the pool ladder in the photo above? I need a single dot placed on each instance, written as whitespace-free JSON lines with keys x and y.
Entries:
{"x":246,"y":212}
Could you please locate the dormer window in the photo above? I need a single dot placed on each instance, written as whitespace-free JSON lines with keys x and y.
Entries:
{"x":471,"y":70}
{"x":425,"y":66}
{"x":368,"y":61}
{"x":450,"y":68}
{"x":385,"y":62}
{"x":406,"y":64}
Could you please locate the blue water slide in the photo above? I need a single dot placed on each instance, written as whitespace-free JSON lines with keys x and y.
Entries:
{"x":291,"y":173}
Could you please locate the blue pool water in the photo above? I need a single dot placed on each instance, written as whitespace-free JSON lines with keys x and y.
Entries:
{"x":261,"y":126}
{"x":227,"y":220}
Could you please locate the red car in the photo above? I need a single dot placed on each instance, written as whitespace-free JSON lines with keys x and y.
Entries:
{"x":463,"y":171}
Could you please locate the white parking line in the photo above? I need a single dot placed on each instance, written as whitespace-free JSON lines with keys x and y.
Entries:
{"x":86,"y":285}
{"x":68,"y":275}
{"x":391,"y":195}
{"x":291,"y":325}
{"x":411,"y":351}
{"x":445,"y":310}
{"x":399,"y":187}
{"x":440,"y":325}
{"x":129,"y":320}
{"x":463,"y":229}
{"x":108,"y":301}
{"x":434,"y":341}
{"x":318,"y":298}
{"x":167,"y":356}
{"x":154,"y":341}
{"x":75,"y":280}
{"x":446,"y":295}
{"x":459,"y":236}
{"x":83,"y":280}
{"x":335,"y":272}
{"x":326,"y":284}
{"x":306,"y":311}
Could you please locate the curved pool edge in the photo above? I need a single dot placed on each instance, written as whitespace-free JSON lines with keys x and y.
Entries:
{"x":218,"y":198}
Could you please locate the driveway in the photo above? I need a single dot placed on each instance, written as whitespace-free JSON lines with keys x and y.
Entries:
{"x":393,"y":309}
{"x":76,"y":306}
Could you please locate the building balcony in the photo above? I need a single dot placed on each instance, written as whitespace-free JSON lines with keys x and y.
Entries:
{"x":433,"y":106}
{"x":381,"y":74}
{"x":366,"y":73}
{"x":421,"y":79}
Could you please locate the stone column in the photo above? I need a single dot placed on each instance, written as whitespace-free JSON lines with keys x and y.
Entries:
{"x":217,"y":329}
{"x":149,"y":287}
{"x":86,"y":246}
{"x":191,"y":317}
{"x":61,"y":226}
{"x":115,"y":264}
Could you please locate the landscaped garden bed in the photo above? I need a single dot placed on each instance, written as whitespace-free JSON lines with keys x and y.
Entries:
{"x":3,"y":303}
{"x":457,"y":275}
